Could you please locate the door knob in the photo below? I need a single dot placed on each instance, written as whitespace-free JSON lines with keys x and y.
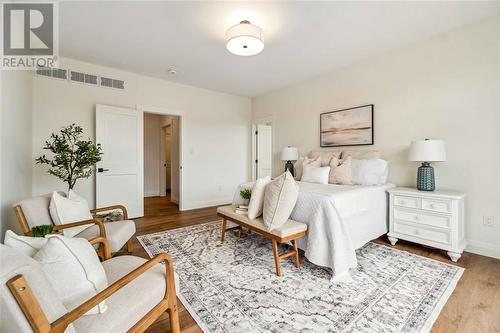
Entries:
{"x":102,"y":169}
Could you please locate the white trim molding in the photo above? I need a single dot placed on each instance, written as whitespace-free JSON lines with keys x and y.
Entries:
{"x":483,"y":248}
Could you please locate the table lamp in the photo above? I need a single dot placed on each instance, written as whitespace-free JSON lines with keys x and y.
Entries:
{"x":289,"y":154}
{"x":427,"y":151}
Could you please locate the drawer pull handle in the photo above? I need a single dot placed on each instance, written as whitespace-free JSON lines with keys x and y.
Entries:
{"x":432,"y":206}
{"x":416,"y":232}
{"x":417,"y":217}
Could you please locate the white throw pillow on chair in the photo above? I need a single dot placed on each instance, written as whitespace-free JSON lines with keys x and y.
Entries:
{"x":312,"y":174}
{"x":256,"y":205}
{"x":24,"y":244}
{"x":74,"y":270}
{"x":74,"y":208}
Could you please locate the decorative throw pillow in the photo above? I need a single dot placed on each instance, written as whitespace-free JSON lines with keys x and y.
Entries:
{"x":299,"y":167}
{"x":369,"y":172}
{"x":314,"y":174}
{"x":74,"y":208}
{"x":279,"y":200}
{"x":361,"y":154}
{"x":24,"y":244}
{"x":325,"y":155}
{"x":256,"y":204}
{"x":340,"y":172}
{"x":74,"y":270}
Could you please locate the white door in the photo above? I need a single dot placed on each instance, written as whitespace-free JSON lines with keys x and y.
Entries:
{"x":264,"y":144}
{"x":119,"y":177}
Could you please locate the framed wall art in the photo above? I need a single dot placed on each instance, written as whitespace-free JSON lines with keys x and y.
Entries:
{"x":347,"y":127}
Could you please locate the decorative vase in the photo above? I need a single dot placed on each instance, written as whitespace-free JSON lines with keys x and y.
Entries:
{"x":425,"y":177}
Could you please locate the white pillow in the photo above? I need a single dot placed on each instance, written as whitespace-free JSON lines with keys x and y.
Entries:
{"x":24,"y":244}
{"x":256,"y":204}
{"x":74,"y":270}
{"x":313,"y":174}
{"x":74,"y":208}
{"x":279,"y":200}
{"x":369,"y":172}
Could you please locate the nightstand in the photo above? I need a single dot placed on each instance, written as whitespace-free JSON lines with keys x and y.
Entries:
{"x":434,"y":219}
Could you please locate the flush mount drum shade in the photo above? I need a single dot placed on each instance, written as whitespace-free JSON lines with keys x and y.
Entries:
{"x":245,"y":39}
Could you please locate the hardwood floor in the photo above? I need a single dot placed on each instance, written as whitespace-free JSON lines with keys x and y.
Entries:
{"x":474,"y":305}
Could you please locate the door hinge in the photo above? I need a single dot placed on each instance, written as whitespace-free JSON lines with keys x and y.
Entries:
{"x":256,"y":161}
{"x":256,"y":132}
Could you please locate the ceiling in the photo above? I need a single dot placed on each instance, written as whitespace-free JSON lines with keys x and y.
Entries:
{"x":302,"y":39}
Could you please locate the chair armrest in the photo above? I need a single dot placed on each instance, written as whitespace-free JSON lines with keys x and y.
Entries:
{"x":106,"y":252}
{"x":62,"y":323}
{"x":114,"y":207}
{"x":100,"y":224}
{"x":38,"y":321}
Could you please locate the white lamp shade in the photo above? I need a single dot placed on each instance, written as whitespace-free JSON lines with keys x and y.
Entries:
{"x":245,"y":39}
{"x":289,"y":154}
{"x":427,"y":151}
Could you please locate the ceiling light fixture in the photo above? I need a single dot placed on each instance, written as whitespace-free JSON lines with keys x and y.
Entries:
{"x":245,"y":39}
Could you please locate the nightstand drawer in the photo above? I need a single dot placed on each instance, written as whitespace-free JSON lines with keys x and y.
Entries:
{"x":443,"y":206}
{"x":403,"y":201}
{"x":440,"y":221}
{"x":440,"y":236}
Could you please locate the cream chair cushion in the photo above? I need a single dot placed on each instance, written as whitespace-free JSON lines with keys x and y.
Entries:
{"x":279,"y":200}
{"x":36,"y":210}
{"x":64,"y":210}
{"x":117,"y":233}
{"x":14,"y":263}
{"x":73,"y":268}
{"x":256,"y":204}
{"x":132,"y":302}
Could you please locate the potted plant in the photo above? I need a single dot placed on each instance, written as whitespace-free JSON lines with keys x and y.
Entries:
{"x":42,"y":230}
{"x":245,"y":194}
{"x":73,"y":157}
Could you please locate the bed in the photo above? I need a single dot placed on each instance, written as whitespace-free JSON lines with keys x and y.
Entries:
{"x":340,"y":219}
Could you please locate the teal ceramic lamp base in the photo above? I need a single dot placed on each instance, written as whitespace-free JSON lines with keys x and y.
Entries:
{"x":425,"y":177}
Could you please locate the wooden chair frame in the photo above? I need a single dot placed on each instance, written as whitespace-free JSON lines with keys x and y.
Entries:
{"x":102,"y":231}
{"x":275,"y":239}
{"x":40,"y":324}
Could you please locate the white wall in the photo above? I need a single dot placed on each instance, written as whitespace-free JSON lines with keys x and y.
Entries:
{"x":215,"y":128}
{"x":152,"y":154}
{"x":16,"y":158}
{"x":447,"y":87}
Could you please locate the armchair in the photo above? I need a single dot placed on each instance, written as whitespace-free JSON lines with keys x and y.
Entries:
{"x":35,"y":211}
{"x":139,"y":292}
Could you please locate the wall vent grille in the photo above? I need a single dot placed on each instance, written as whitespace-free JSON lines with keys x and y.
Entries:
{"x":74,"y":76}
{"x":56,"y":73}
{"x":84,"y":78}
{"x":112,"y":83}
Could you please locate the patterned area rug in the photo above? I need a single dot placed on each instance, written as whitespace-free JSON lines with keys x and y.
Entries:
{"x":232,"y":287}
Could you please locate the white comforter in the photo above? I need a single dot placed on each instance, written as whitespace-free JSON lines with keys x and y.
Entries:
{"x":324,"y":209}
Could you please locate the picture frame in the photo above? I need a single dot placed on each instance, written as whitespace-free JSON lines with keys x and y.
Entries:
{"x":347,"y":127}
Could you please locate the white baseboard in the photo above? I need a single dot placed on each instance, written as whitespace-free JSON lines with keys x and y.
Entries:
{"x":484,"y":249}
{"x":206,"y":203}
{"x":151,"y":194}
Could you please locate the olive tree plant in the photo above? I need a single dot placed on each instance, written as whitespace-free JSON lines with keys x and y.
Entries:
{"x":72,"y":157}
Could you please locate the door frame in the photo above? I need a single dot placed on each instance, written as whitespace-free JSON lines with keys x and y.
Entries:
{"x":177,"y":113}
{"x":262,"y":121}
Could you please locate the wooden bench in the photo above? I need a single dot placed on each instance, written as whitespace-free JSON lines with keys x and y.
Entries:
{"x":289,"y":232}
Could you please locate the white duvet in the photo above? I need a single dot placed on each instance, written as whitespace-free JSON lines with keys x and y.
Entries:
{"x":325,"y":209}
